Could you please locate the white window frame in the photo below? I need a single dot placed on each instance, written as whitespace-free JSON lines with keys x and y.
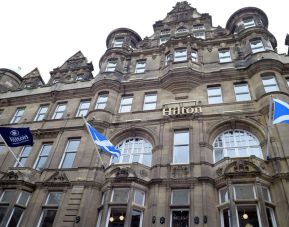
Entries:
{"x":17,"y":115}
{"x":181,"y":55}
{"x":219,"y":88}
{"x":127,"y":150}
{"x":199,"y":31}
{"x":111,"y":65}
{"x":66,"y":152}
{"x":236,"y":147}
{"x":140,"y":66}
{"x":194,"y":55}
{"x":181,"y":145}
{"x":19,"y":221}
{"x":101,"y":101}
{"x":124,"y":104}
{"x":40,"y":116}
{"x":20,"y":157}
{"x":272,"y":213}
{"x":148,"y":102}
{"x":245,"y":91}
{"x":222,"y":217}
{"x":249,"y":22}
{"x":39,"y":156}
{"x":57,"y":111}
{"x":268,"y":86}
{"x":83,"y":109}
{"x":118,"y":41}
{"x":256,"y":48}
{"x":225,"y":56}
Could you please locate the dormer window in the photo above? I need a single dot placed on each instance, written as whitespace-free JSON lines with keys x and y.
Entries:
{"x":165,"y":32}
{"x":182,"y":30}
{"x":118,"y":42}
{"x":249,"y":22}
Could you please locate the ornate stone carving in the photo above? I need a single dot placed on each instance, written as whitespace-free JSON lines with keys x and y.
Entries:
{"x":180,"y":171}
{"x":122,"y":173}
{"x":58,"y":177}
{"x":241,"y":166}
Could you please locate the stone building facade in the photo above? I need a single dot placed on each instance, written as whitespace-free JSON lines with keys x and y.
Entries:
{"x":188,"y":108}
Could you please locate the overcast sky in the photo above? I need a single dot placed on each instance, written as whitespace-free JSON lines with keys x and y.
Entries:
{"x":45,"y":34}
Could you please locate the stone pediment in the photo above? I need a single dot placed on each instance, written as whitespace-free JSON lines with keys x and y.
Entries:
{"x":239,"y":167}
{"x":19,"y":175}
{"x":57,"y":178}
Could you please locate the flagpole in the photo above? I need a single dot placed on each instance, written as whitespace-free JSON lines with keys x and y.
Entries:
{"x":11,"y":152}
{"x":85,"y":122}
{"x":269,"y":128}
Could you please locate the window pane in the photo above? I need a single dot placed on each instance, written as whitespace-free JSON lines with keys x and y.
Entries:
{"x":226,"y":218}
{"x":135,"y":218}
{"x":219,"y":154}
{"x":248,"y":214}
{"x":68,"y":160}
{"x":41,"y":163}
{"x":244,"y":192}
{"x":139,"y":197}
{"x":266,"y":194}
{"x":181,"y":138}
{"x":2,"y":213}
{"x":54,"y":198}
{"x":114,"y":219}
{"x":224,"y":195}
{"x":271,"y":217}
{"x":181,"y":154}
{"x":73,"y":145}
{"x":180,"y":218}
{"x":248,"y":23}
{"x":26,"y":151}
{"x":15,"y":218}
{"x":48,"y":216}
{"x":180,"y":197}
{"x":215,"y":100}
{"x":147,"y":159}
{"x":23,"y":199}
{"x":8,"y":196}
{"x":45,"y":149}
{"x":120,"y":195}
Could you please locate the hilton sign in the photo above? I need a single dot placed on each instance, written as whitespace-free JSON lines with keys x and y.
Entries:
{"x":183,"y":108}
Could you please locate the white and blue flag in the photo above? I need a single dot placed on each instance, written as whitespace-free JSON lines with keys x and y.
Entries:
{"x":281,"y":112}
{"x":102,"y":142}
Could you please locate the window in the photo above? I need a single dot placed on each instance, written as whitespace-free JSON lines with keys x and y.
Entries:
{"x":111,"y":65}
{"x":59,"y":111}
{"x":136,"y":218}
{"x":248,"y":214}
{"x":117,"y":217}
{"x":101,"y":101}
{"x":269,"y":83}
{"x":248,"y":23}
{"x":214,"y":95}
{"x":181,"y":147}
{"x":17,"y":116}
{"x":224,"y":56}
{"x":180,"y":218}
{"x":164,"y":39}
{"x":134,"y":149}
{"x":24,"y":154}
{"x":168,"y":58}
{"x":18,"y":210}
{"x":223,"y":195}
{"x":17,"y":203}
{"x":194,"y":55}
{"x":49,"y":209}
{"x":118,"y":42}
{"x":150,"y":101}
{"x":236,"y":143}
{"x":199,"y":31}
{"x":266,"y":194}
{"x":242,"y":92}
{"x":83,"y":108}
{"x":257,"y":46}
{"x":139,"y":197}
{"x":70,"y":153}
{"x":140,"y":66}
{"x":79,"y":77}
{"x":41,"y":113}
{"x":245,"y":191}
{"x":42,"y":156}
{"x":165,"y":32}
{"x":120,"y":195}
{"x":2,"y":148}
{"x":125,"y":104}
{"x":180,"y":197}
{"x":180,"y":55}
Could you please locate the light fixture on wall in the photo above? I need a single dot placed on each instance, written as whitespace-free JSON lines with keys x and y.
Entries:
{"x":121,"y":217}
{"x":111,"y":219}
{"x":245,"y":216}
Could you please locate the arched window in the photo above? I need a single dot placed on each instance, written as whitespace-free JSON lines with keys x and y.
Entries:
{"x":236,"y":143}
{"x":134,"y":149}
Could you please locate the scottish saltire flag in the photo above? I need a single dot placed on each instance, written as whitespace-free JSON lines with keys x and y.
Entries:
{"x":15,"y":137}
{"x":102,"y":142}
{"x":281,"y":112}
